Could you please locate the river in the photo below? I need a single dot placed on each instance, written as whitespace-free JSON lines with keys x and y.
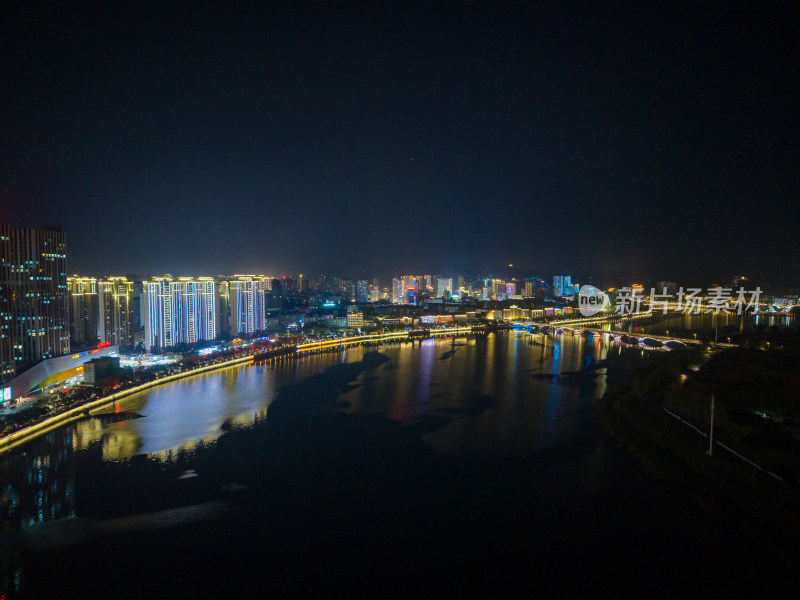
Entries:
{"x":416,"y":468}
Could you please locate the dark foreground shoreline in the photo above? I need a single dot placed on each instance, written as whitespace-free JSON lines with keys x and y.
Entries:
{"x":333,"y":504}
{"x":762,"y":511}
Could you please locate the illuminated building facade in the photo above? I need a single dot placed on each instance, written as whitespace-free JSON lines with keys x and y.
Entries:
{"x":431,"y":284}
{"x":561,"y":284}
{"x":115,"y":300}
{"x":498,"y":287}
{"x":247,"y":303}
{"x":179,"y":311}
{"x":362,"y":291}
{"x":82,"y":299}
{"x":195,"y":308}
{"x":347,"y":290}
{"x":527,"y":290}
{"x":406,"y":288}
{"x":7,"y":369}
{"x":445,"y":288}
{"x":157,"y":312}
{"x":35,"y":314}
{"x":355,"y":320}
{"x":51,"y":372}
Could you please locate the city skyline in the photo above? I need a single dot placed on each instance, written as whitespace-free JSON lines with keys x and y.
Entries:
{"x":408,"y":299}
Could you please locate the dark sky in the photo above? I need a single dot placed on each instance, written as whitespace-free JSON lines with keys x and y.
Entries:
{"x":376,"y":138}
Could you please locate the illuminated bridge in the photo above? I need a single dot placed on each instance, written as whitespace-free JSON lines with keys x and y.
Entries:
{"x":556,"y":328}
{"x":383,"y":337}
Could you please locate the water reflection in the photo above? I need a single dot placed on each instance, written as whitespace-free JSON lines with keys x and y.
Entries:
{"x":38,"y":485}
{"x":540,"y":386}
{"x":348,"y":458}
{"x":686,"y":325}
{"x":192,"y":409}
{"x":499,"y":394}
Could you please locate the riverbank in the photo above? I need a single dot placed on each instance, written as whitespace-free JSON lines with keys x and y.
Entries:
{"x":763,"y":510}
{"x":28,"y":434}
{"x":456,"y":463}
{"x":23,"y":436}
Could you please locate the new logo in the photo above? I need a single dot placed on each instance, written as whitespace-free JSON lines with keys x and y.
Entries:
{"x":591,"y":300}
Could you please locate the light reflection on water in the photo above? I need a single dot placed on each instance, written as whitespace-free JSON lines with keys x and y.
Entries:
{"x":421,"y":379}
{"x":315,"y":434}
{"x":502,"y":394}
{"x":195,"y":408}
{"x":685,"y":325}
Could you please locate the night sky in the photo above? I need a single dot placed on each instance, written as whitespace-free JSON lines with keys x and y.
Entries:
{"x":370,"y":139}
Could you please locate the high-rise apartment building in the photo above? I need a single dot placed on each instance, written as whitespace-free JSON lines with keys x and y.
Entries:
{"x":528,"y":289}
{"x":179,"y":311}
{"x":431,"y":284}
{"x":100,"y":309}
{"x":223,"y":307}
{"x":405,"y":287}
{"x":82,"y":302}
{"x":158,"y":314}
{"x":445,"y":288}
{"x":7,"y":368}
{"x":362,"y":291}
{"x":34,"y":290}
{"x":561,"y":284}
{"x":248,"y":302}
{"x":499,"y":290}
{"x":116,"y":315}
{"x":198,"y":308}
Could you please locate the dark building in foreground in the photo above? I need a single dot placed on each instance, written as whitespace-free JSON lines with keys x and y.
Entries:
{"x":33,"y":297}
{"x":98,"y":369}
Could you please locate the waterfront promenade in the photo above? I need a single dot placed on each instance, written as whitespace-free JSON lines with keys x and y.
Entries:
{"x":17,"y":438}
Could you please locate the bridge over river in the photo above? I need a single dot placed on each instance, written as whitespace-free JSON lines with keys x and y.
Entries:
{"x":560,"y":327}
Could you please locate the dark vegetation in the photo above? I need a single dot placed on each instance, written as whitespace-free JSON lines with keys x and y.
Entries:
{"x":756,"y":414}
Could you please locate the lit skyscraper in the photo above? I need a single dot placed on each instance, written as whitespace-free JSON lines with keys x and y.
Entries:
{"x":528,"y":289}
{"x":445,"y":287}
{"x":115,"y":299}
{"x":362,"y":291}
{"x":247,"y":303}
{"x":431,"y":284}
{"x":561,"y":284}
{"x":34,"y":287}
{"x":194,"y":304}
{"x":401,"y":286}
{"x":83,"y":310}
{"x":158,"y":329}
{"x":7,"y":369}
{"x":181,"y":311}
{"x":398,"y":290}
{"x":498,"y":287}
